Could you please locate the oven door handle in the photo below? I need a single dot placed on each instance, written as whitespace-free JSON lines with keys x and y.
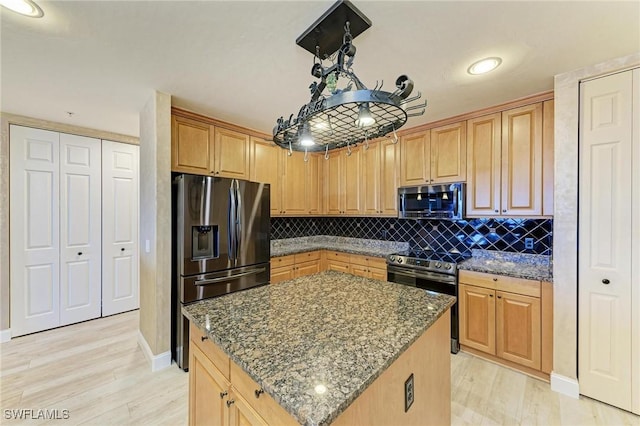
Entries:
{"x":228,"y":277}
{"x":405,"y":272}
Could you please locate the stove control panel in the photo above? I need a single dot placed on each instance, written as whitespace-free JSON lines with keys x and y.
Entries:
{"x":422,"y":264}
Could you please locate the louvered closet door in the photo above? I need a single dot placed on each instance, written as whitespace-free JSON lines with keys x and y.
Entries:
{"x":80,"y":228}
{"x":605,"y":235}
{"x":120,"y":284}
{"x":34,"y":230}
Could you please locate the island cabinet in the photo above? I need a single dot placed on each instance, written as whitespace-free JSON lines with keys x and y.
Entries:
{"x":508,"y":319}
{"x":295,"y":265}
{"x":434,"y":156}
{"x":355,"y":264}
{"x":220,"y":393}
{"x":199,"y":147}
{"x":343,"y":182}
{"x":510,"y":162}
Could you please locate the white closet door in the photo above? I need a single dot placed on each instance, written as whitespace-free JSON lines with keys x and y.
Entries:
{"x":120,"y":286}
{"x":604,"y":341}
{"x":80,"y":228}
{"x":34,"y":230}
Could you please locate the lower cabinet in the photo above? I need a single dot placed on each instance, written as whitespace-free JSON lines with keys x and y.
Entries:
{"x":294,"y":266}
{"x":220,"y":393}
{"x":503,"y":317}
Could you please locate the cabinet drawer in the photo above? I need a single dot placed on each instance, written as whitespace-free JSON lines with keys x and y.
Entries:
{"x":306,"y":257}
{"x":281,"y":274}
{"x":219,"y":359}
{"x":265,"y":406}
{"x":501,"y":282}
{"x":333,"y":265}
{"x":339,"y":256}
{"x":277,"y":262}
{"x":378,"y":274}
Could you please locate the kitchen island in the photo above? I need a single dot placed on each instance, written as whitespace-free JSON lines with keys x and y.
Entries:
{"x":326,"y":348}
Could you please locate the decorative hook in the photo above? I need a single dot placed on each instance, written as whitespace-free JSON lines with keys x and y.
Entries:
{"x":366,"y":140}
{"x":395,"y":135}
{"x":348,"y":150}
{"x":290,"y":153}
{"x":306,"y":155}
{"x":326,"y":152}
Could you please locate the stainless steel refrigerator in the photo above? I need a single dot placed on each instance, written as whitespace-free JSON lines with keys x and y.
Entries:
{"x":221,"y":244}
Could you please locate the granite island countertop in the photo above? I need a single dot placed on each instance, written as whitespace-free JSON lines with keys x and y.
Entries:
{"x":376,"y":248}
{"x":331,"y":329}
{"x":519,"y":265}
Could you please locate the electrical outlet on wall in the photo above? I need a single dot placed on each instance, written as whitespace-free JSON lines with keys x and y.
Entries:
{"x":528,"y":243}
{"x":408,"y":393}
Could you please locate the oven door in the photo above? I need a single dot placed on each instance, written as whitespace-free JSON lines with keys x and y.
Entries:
{"x":432,"y":281}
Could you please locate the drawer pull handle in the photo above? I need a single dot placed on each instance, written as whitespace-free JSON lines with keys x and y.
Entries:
{"x":223,"y":394}
{"x":499,"y":297}
{"x":495,"y":279}
{"x":203,"y":338}
{"x":606,"y":281}
{"x":258,"y":392}
{"x":230,"y":402}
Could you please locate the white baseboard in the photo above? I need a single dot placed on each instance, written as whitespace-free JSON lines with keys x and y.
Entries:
{"x":157,"y":362}
{"x":565,"y":385}
{"x":5,"y":335}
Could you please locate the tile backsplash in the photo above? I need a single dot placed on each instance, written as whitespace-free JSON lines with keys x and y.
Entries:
{"x":464,"y":235}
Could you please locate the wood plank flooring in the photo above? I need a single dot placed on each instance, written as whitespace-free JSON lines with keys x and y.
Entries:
{"x":97,"y":372}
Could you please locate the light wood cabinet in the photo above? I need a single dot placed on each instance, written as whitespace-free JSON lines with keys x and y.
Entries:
{"x":510,"y":163}
{"x":363,"y":266}
{"x":267,"y":167}
{"x":294,"y":184}
{"x":506,"y":318}
{"x":207,"y":390}
{"x":435,"y":156}
{"x":380,"y":179}
{"x":200,"y":148}
{"x":344,"y":182}
{"x":295,"y":265}
{"x":241,"y":413}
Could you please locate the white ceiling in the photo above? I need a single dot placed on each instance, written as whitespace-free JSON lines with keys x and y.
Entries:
{"x":238,"y":61}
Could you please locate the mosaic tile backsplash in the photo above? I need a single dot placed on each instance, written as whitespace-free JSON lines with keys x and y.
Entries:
{"x":463,"y":235}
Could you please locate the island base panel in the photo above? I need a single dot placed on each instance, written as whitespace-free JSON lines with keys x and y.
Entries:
{"x":429,"y":360}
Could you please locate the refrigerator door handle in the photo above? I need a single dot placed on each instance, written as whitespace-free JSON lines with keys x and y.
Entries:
{"x":231,"y":226}
{"x":229,"y":277}
{"x":238,"y":219}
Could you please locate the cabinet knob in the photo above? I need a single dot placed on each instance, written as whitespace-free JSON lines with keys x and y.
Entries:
{"x":497,"y":211}
{"x":217,"y":173}
{"x":504,"y":211}
{"x":212,"y":172}
{"x":79,"y":253}
{"x":258,"y":392}
{"x":203,"y":338}
{"x":499,"y":297}
{"x":495,"y":279}
{"x":605,"y":281}
{"x":122,"y":249}
{"x":223,"y":394}
{"x":230,"y":402}
{"x":491,"y":295}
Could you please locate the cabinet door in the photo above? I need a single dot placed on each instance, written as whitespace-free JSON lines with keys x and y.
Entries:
{"x":359,"y":270}
{"x":307,"y":268}
{"x":332,"y":265}
{"x":483,"y":165}
{"x":191,"y":146}
{"x":80,"y":229}
{"x":334,"y":184}
{"x":547,"y":157}
{"x":378,"y":274}
{"x":266,"y":166}
{"x":449,"y":153}
{"x":231,"y":154}
{"x":314,"y":184}
{"x":120,"y":283}
{"x":281,"y":274}
{"x":208,"y":391}
{"x":352,"y":181}
{"x":415,"y":164}
{"x":477,"y":318}
{"x":371,"y":179}
{"x":389,"y":165}
{"x":294,"y":186}
{"x":518,"y":329}
{"x":241,"y":413}
{"x":522,"y":161}
{"x":34,"y":207}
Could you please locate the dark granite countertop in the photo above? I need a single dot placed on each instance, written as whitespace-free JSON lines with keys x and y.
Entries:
{"x":519,"y":265}
{"x":316,"y":343}
{"x":376,"y":248}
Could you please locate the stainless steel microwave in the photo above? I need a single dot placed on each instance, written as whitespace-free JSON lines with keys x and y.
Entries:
{"x":432,"y":201}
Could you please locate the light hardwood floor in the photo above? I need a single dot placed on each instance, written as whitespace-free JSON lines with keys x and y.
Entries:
{"x":97,"y":371}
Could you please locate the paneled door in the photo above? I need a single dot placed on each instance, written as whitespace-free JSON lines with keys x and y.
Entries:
{"x":80,"y":228}
{"x":120,"y":283}
{"x":605,"y":233}
{"x":34,"y":231}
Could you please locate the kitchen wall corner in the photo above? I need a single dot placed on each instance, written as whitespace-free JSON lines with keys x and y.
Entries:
{"x":155,"y":223}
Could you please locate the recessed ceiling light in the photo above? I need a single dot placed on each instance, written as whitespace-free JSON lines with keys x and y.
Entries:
{"x":484,"y":65}
{"x":23,"y":7}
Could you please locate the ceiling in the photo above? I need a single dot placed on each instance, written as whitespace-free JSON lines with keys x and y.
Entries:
{"x":238,"y":61}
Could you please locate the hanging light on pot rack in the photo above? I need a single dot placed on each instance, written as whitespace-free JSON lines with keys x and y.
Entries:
{"x":336,"y":118}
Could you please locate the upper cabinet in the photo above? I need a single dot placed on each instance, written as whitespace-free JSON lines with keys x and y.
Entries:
{"x":267,"y":167}
{"x":344,"y":182}
{"x":380,"y":178}
{"x":198,"y":147}
{"x":434,"y":156}
{"x":510,"y":162}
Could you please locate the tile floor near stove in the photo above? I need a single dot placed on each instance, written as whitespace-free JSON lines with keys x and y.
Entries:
{"x":97,"y":372}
